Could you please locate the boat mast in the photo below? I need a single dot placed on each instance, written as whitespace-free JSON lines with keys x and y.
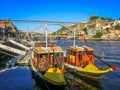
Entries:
{"x":46,"y":35}
{"x":74,"y":38}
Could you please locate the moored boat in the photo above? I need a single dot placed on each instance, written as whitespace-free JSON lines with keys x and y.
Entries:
{"x":80,"y":60}
{"x":47,"y":64}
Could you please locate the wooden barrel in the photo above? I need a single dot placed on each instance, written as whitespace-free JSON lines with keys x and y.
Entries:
{"x":35,"y":61}
{"x":72,"y":59}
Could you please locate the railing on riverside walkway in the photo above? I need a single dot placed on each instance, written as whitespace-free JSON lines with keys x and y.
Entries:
{"x":8,"y":48}
{"x":18,"y":44}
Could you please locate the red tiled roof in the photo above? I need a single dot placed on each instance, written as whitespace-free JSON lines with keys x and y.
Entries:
{"x":2,"y":25}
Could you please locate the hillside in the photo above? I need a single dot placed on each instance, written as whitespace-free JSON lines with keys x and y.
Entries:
{"x":105,"y":28}
{"x":7,"y":28}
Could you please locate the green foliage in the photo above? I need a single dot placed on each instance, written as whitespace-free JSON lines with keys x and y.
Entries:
{"x":85,"y":30}
{"x":117,"y":27}
{"x":103,"y":18}
{"x":99,"y":35}
{"x":94,"y":17}
{"x":26,"y":44}
{"x":107,"y":29}
{"x":14,"y":34}
{"x":54,"y":33}
{"x":11,"y":34}
{"x":109,"y":19}
{"x":61,"y":30}
{"x":74,"y":25}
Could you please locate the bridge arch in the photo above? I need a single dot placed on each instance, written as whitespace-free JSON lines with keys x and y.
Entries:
{"x":64,"y":24}
{"x":68,"y":27}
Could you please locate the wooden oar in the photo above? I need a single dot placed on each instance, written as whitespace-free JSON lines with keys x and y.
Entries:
{"x":54,"y":55}
{"x":60,"y":67}
{"x":112,"y":66}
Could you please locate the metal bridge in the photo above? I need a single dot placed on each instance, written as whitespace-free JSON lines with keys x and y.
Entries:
{"x":67,"y":25}
{"x":64,"y":24}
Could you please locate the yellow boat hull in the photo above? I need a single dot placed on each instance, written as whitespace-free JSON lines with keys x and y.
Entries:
{"x":90,"y":70}
{"x":55,"y":77}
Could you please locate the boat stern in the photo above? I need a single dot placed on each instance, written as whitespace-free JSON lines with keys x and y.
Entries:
{"x":91,"y":69}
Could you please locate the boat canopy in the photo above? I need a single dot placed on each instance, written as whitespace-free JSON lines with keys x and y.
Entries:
{"x":84,"y":48}
{"x":80,"y":56}
{"x":40,"y":50}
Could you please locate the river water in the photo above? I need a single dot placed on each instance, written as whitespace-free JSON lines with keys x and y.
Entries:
{"x":20,"y":78}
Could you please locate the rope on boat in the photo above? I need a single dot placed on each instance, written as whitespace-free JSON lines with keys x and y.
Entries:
{"x":111,"y":66}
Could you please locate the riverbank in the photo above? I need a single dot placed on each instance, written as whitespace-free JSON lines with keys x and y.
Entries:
{"x":96,"y":39}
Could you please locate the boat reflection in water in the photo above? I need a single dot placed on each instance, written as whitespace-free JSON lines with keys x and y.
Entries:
{"x":76,"y":83}
{"x":83,"y":83}
{"x":39,"y":84}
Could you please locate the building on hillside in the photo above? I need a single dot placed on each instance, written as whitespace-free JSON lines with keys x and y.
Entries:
{"x":116,"y":22}
{"x":65,"y":32}
{"x":117,"y":32}
{"x":7,"y":27}
{"x":112,"y":34}
{"x":2,"y":30}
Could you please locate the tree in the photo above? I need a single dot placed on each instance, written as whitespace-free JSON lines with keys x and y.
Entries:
{"x":99,"y":35}
{"x":14,"y":34}
{"x":85,"y":30}
{"x":103,"y":18}
{"x":94,"y":17}
{"x":110,"y":19}
{"x":117,"y":27}
{"x":107,"y":29}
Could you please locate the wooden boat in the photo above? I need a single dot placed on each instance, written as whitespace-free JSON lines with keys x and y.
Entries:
{"x":80,"y":60}
{"x":47,"y":64}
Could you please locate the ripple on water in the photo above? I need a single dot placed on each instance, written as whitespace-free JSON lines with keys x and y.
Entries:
{"x":16,"y":79}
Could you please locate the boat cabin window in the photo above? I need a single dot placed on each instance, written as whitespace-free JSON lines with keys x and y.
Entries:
{"x":73,"y":53}
{"x":42,"y":55}
{"x":80,"y":56}
{"x":59,"y":54}
{"x":89,"y":52}
{"x":35,"y":55}
{"x":68,"y":51}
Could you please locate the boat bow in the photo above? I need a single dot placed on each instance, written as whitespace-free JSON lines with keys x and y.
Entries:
{"x":55,"y":76}
{"x":93,"y":69}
